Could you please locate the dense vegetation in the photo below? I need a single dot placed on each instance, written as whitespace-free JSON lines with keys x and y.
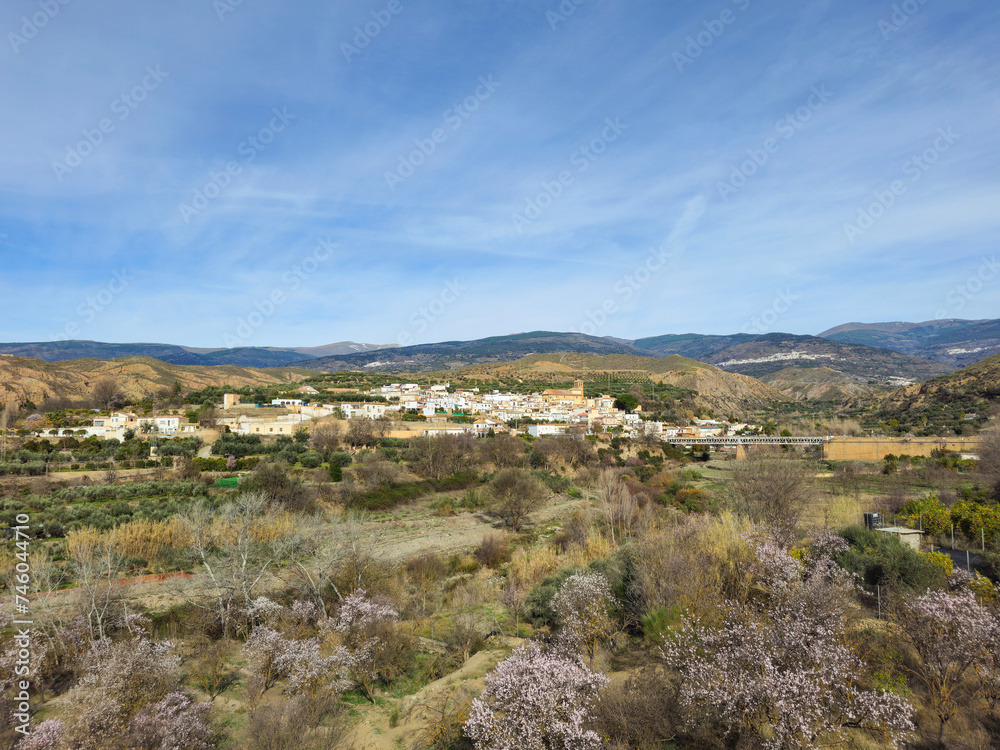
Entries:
{"x":325,"y":593}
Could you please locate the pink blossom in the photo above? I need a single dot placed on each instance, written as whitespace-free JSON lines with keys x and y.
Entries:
{"x":582,"y":605}
{"x":175,"y":723}
{"x":46,"y":736}
{"x":536,"y":699}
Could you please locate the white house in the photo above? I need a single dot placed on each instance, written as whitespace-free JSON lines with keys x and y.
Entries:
{"x":166,"y":425}
{"x":482,"y":427}
{"x":539,"y":430}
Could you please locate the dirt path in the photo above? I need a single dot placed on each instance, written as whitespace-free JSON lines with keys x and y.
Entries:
{"x":418,"y":531}
{"x":418,"y":711}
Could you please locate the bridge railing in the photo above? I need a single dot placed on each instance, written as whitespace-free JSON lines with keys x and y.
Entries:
{"x":746,"y":440}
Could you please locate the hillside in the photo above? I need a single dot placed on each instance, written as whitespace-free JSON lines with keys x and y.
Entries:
{"x":816,"y":384}
{"x":453,"y":355}
{"x":766,"y":354}
{"x":713,"y":388}
{"x":27,"y":379}
{"x":958,"y":343}
{"x":693,"y":345}
{"x":958,"y":401}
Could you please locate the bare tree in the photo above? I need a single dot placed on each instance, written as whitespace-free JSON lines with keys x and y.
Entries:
{"x":206,"y":416}
{"x":360,"y":432}
{"x":340,"y":558}
{"x":381,"y":427}
{"x":107,"y":394}
{"x":515,"y":598}
{"x":517,"y":494}
{"x":236,"y":548}
{"x":621,"y":510}
{"x":850,"y":476}
{"x":772,"y":491}
{"x":325,"y":437}
{"x":99,"y":569}
{"x":377,"y":471}
{"x":437,"y":457}
{"x":504,"y":451}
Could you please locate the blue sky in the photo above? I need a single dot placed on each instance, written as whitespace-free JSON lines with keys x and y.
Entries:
{"x":305,"y":172}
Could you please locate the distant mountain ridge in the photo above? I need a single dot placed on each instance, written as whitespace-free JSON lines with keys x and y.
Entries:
{"x":250,"y":356}
{"x":958,"y":343}
{"x":453,"y":355}
{"x":866,"y":354}
{"x":765,"y":354}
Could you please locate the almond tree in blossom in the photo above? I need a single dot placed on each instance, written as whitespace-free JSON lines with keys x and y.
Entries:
{"x":583,"y":605}
{"x":265,"y":648}
{"x":536,"y":700}
{"x":775,"y":672}
{"x":368,"y":632}
{"x":954,"y":636}
{"x":174,"y":723}
{"x":46,"y":736}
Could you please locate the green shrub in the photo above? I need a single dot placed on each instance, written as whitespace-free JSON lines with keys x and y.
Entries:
{"x":882,"y":560}
{"x":340,"y":458}
{"x":555,"y":482}
{"x":538,"y":606}
{"x":660,"y":621}
{"x":458,"y":481}
{"x":389,"y":497}
{"x":311,"y":460}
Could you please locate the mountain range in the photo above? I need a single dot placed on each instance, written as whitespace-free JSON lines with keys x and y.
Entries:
{"x":958,"y":343}
{"x":250,"y":356}
{"x":853,"y":356}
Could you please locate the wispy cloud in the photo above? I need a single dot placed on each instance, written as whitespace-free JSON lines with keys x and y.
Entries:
{"x":450,"y":218}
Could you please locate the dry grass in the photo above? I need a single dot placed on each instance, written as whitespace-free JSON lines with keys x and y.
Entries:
{"x":833,"y":512}
{"x":147,"y":539}
{"x":531,"y":565}
{"x":693,"y":563}
{"x":481,"y":588}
